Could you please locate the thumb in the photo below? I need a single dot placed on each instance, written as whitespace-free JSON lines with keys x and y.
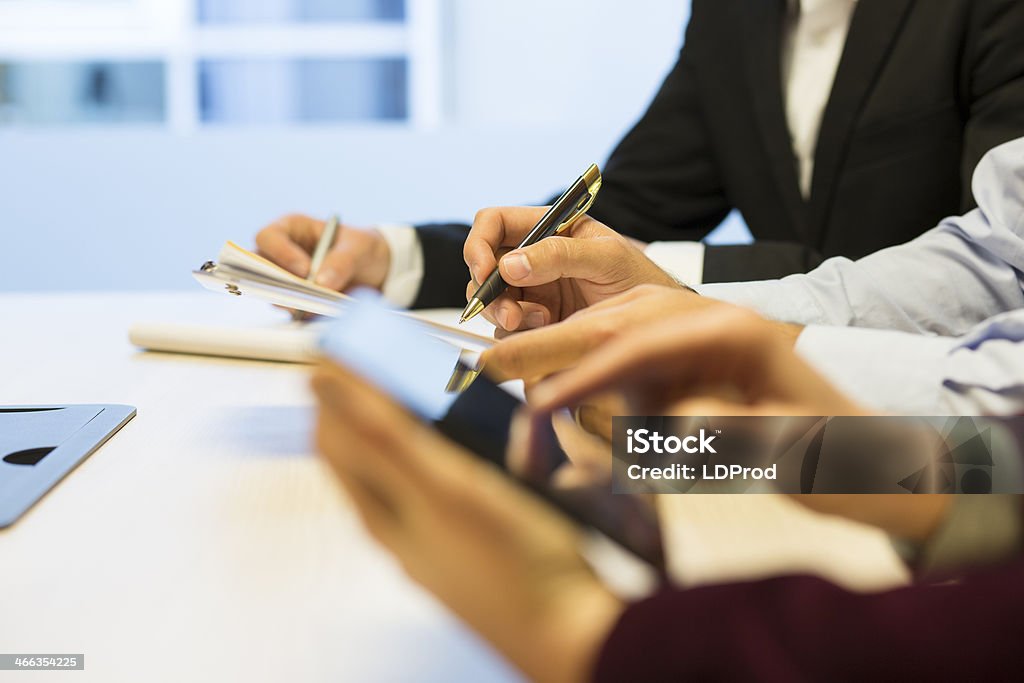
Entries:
{"x":556,"y":258}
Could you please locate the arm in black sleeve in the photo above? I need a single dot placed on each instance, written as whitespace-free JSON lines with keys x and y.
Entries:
{"x":662,"y":181}
{"x":445,"y":274}
{"x":762,"y":260}
{"x":806,"y":629}
{"x":994,"y":78}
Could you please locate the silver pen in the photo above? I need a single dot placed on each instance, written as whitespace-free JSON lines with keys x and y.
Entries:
{"x":319,"y":254}
{"x":323,"y":246}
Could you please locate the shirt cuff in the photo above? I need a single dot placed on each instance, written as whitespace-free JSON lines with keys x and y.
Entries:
{"x":405,"y":274}
{"x":780,"y":300}
{"x":891,"y":371}
{"x":682,"y":260}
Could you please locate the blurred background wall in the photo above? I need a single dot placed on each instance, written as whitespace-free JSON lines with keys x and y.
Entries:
{"x":137,"y":135}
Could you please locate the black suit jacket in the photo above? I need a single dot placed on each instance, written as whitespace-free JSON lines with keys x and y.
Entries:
{"x":924,"y":89}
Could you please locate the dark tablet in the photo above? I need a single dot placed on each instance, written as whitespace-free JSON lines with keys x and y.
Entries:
{"x":436,"y":381}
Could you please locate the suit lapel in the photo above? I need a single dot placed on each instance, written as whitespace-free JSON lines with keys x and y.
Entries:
{"x":763,"y":50}
{"x":874,"y":28}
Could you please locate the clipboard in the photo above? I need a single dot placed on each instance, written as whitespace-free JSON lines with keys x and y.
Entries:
{"x":239,"y":272}
{"x":40,"y":445}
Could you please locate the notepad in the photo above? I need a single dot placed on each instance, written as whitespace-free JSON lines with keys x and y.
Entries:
{"x":240,"y":272}
{"x":287,"y":343}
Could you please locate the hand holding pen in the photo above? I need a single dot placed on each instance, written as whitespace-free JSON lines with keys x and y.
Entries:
{"x":566,"y":210}
{"x":547,"y":280}
{"x":354,"y":257}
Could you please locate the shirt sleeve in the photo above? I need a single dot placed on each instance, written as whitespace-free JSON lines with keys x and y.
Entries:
{"x":953,"y":277}
{"x":405,"y":274}
{"x":682,"y":260}
{"x":981,"y":373}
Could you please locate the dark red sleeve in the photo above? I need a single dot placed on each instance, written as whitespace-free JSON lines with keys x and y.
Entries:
{"x":806,"y":629}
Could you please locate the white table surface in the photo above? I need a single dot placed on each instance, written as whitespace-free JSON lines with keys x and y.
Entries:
{"x":204,"y":542}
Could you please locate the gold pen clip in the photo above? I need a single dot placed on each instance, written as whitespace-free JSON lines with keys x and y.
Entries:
{"x":592,"y":177}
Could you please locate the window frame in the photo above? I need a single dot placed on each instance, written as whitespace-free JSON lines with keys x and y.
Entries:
{"x":168,"y":31}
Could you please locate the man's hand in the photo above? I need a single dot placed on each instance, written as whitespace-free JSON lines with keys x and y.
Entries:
{"x":553,"y":279}
{"x":359,"y":257}
{"x":535,"y":354}
{"x":496,"y":555}
{"x":721,"y":360}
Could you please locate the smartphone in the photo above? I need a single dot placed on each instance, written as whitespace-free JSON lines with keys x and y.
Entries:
{"x":438,"y":381}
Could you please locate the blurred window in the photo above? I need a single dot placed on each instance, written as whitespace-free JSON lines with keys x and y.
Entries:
{"x":189,"y":63}
{"x":60,"y":92}
{"x":212,"y":11}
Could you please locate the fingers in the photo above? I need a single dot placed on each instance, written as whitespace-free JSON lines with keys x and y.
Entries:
{"x":505,"y":313}
{"x":719,"y":353}
{"x":289,"y":241}
{"x":396,"y":450}
{"x":374,"y":435}
{"x":516,"y":316}
{"x":517,"y":454}
{"x":358,"y":257}
{"x":595,"y":417}
{"x":538,"y":353}
{"x":340,"y":264}
{"x":669,"y":354}
{"x":708,"y":407}
{"x":375,"y":510}
{"x":493,"y":229}
{"x":509,"y":315}
{"x":600,"y":260}
{"x":534,"y":315}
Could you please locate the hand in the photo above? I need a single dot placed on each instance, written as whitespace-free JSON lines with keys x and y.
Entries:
{"x":721,"y":360}
{"x":588,"y":458}
{"x":558,"y":276}
{"x":498,"y":557}
{"x":535,"y":354}
{"x":358,"y":258}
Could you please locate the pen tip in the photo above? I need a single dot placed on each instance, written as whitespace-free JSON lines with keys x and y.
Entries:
{"x":472,"y":310}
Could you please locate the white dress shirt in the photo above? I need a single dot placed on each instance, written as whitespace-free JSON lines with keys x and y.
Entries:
{"x":938,"y":322}
{"x":812,"y":46}
{"x":811,"y":49}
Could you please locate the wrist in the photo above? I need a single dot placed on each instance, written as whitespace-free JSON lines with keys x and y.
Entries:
{"x":380,"y":260}
{"x":574,"y":633}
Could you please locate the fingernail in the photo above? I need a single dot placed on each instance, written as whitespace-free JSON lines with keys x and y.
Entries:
{"x":328,"y":278}
{"x":517,"y":266}
{"x":502,"y":316}
{"x":474,"y":270}
{"x":535,"y":319}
